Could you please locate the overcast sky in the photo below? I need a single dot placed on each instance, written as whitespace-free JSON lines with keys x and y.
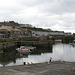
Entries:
{"x":53,"y":14}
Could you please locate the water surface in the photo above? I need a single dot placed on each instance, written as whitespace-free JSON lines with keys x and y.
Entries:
{"x":62,"y":52}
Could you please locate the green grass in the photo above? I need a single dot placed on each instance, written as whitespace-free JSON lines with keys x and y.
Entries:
{"x":35,"y":29}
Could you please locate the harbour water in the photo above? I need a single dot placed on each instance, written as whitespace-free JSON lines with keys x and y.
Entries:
{"x":59,"y":52}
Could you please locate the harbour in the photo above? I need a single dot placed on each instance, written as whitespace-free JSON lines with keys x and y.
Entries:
{"x":37,"y":37}
{"x":58,"y":52}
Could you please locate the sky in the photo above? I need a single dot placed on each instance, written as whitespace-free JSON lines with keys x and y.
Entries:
{"x":53,"y":14}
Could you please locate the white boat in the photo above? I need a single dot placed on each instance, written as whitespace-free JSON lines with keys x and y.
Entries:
{"x":25,"y":49}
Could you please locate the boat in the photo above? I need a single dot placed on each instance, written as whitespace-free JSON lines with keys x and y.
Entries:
{"x":25,"y":49}
{"x":31,"y":48}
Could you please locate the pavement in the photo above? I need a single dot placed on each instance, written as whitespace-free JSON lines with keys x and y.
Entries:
{"x":53,"y":68}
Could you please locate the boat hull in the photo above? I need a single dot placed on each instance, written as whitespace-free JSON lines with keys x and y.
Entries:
{"x":25,"y":49}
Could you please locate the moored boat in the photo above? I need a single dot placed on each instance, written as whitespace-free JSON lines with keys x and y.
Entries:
{"x":31,"y":48}
{"x":25,"y":49}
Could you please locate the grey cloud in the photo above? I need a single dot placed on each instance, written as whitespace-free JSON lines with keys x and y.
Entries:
{"x":59,"y":6}
{"x":40,"y":13}
{"x":33,"y":2}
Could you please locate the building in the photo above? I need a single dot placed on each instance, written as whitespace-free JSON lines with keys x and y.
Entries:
{"x":1,"y":36}
{"x":67,"y":34}
{"x":51,"y":33}
{"x":25,"y":32}
{"x":25,"y":25}
{"x":15,"y":24}
{"x":9,"y":31}
{"x":10,"y":23}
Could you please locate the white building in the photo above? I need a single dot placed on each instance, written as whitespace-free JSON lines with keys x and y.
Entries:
{"x":25,"y":25}
{"x":51,"y":33}
{"x":67,"y":34}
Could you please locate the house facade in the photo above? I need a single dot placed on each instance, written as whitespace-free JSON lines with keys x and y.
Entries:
{"x":25,"y":25}
{"x":51,"y":33}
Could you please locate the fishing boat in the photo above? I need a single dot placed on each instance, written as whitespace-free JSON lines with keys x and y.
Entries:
{"x":25,"y":49}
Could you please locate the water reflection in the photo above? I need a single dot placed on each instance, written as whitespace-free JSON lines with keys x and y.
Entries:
{"x":59,"y":51}
{"x":63,"y":52}
{"x":13,"y":58}
{"x":42,"y":49}
{"x":10,"y":57}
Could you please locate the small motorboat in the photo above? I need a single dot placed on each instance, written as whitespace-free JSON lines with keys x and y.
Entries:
{"x":25,"y":49}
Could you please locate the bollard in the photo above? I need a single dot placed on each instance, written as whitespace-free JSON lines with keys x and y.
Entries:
{"x":50,"y":59}
{"x":24,"y":63}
